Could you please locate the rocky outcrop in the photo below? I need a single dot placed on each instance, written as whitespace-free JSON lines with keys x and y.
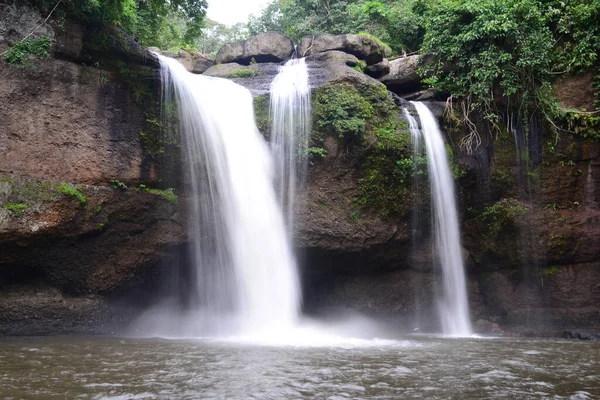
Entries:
{"x":76,"y":129}
{"x":403,"y":77}
{"x":64,"y":121}
{"x":264,"y":47}
{"x":361,"y":46}
{"x":194,"y":62}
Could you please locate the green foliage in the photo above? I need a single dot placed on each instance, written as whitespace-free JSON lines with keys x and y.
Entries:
{"x":397,"y":22}
{"x":215,"y":35}
{"x":167,"y":194}
{"x":494,"y":47}
{"x":22,"y":52}
{"x":502,"y":213}
{"x":244,"y":73}
{"x":162,"y":23}
{"x":316,"y":153}
{"x":15,"y":208}
{"x":580,"y":122}
{"x":498,"y":54}
{"x":70,"y":190}
{"x":343,"y":111}
{"x":116,"y":184}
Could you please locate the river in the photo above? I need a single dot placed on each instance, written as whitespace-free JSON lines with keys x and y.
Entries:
{"x":415,"y":366}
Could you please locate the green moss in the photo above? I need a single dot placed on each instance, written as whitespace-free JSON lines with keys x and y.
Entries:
{"x":360,"y":67}
{"x":262,"y":115}
{"x":551,"y":270}
{"x":350,"y":111}
{"x":498,"y":215}
{"x":503,"y":174}
{"x":323,"y":204}
{"x":244,"y":73}
{"x":29,"y":192}
{"x":15,"y":208}
{"x":387,"y":172}
{"x":365,"y":116}
{"x":117,"y":184}
{"x":343,"y":111}
{"x":23,"y":52}
{"x":167,"y":194}
{"x":69,"y":190}
{"x":368,"y":39}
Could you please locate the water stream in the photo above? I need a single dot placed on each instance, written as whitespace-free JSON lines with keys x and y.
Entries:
{"x":453,"y":304}
{"x":244,"y":273}
{"x":290,"y":110}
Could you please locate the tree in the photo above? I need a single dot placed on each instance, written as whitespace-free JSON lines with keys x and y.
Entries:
{"x":215,"y":35}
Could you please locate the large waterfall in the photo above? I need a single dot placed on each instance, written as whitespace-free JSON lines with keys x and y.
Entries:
{"x":290,"y":109}
{"x":453,"y":304}
{"x":244,"y":272}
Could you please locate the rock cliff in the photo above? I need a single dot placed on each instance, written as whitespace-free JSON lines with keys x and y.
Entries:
{"x":87,"y":219}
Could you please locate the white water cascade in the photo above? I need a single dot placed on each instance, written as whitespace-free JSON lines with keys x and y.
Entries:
{"x":290,"y":132}
{"x":453,"y":304}
{"x":244,"y":272}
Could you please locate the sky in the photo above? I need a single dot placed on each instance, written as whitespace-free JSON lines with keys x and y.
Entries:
{"x":232,"y":11}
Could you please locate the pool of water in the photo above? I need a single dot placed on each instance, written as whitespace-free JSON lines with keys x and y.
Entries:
{"x":410,"y":367}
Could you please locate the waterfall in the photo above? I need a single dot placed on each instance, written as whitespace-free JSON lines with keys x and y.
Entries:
{"x":290,"y":109}
{"x":453,"y":304}
{"x":244,"y":277}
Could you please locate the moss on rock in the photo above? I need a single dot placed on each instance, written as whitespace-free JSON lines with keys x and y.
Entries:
{"x":262,"y":114}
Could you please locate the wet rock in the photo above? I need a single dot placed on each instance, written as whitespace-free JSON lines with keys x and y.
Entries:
{"x":378,"y":70}
{"x":581,"y":335}
{"x":262,"y":48}
{"x":362,"y":47}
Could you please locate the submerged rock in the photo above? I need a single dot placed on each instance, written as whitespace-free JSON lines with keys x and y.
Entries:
{"x":262,"y":48}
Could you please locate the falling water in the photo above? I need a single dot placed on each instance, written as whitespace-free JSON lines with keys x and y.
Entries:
{"x":290,"y":109}
{"x":453,"y":305}
{"x":244,"y":273}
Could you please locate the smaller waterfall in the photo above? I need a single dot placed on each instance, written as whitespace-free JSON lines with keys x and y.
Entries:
{"x":290,"y":109}
{"x":453,"y":304}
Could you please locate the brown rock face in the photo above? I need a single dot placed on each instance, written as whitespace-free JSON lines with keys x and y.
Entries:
{"x":576,"y":91}
{"x":63,"y":121}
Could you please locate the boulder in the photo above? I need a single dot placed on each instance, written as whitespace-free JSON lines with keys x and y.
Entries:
{"x":360,"y":46}
{"x":194,"y":62}
{"x":403,"y":75}
{"x":335,"y":66}
{"x":262,"y":48}
{"x":378,"y":70}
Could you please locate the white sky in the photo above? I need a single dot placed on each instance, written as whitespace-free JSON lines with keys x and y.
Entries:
{"x":232,"y":11}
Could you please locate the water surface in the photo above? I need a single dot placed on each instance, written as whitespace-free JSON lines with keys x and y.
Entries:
{"x":413,"y":367}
